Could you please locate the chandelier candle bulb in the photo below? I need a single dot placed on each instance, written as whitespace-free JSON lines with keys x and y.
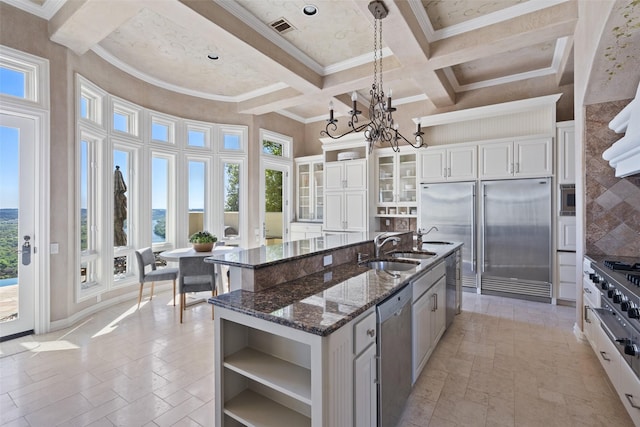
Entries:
{"x":331,"y":111}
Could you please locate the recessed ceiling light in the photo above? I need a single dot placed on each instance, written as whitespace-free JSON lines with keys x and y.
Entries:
{"x":309,"y":10}
{"x":213,"y":56}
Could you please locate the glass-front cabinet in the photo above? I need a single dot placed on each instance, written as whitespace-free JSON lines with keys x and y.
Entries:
{"x":396,"y":183}
{"x":310,"y":191}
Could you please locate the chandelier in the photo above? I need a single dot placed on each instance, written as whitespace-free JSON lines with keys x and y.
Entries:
{"x":380,"y":128}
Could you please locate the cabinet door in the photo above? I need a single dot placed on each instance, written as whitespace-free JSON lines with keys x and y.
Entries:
{"x":533,"y":157}
{"x":462,"y":163}
{"x":365,"y":393}
{"x":421,"y":332}
{"x":334,"y":178}
{"x":355,"y":210}
{"x":433,"y":165}
{"x":566,"y":155}
{"x":629,"y":391}
{"x":496,"y":160}
{"x":304,"y":192}
{"x":607,"y":355}
{"x":333,"y":216}
{"x":439,"y":315}
{"x":355,"y":174}
{"x":318,"y":190}
{"x":386,"y":171}
{"x":567,"y":233}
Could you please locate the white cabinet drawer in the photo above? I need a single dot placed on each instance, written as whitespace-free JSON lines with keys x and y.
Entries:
{"x":567,"y":258}
{"x":364,"y":332}
{"x":629,"y":391}
{"x":424,"y":282}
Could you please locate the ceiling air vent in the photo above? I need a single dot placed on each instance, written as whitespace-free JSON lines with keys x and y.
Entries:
{"x":281,"y":25}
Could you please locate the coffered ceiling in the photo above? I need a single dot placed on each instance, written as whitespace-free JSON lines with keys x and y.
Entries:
{"x":435,"y":50}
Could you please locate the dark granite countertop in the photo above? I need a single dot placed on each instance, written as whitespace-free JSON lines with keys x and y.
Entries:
{"x":264,"y":256}
{"x":322,"y":302}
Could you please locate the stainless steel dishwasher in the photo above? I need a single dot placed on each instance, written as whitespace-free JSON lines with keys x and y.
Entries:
{"x":394,"y":353}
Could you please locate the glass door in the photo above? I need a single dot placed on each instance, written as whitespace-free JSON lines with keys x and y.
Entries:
{"x":318,"y":190}
{"x":274,"y":191}
{"x":304,"y":192}
{"x":17,"y":225}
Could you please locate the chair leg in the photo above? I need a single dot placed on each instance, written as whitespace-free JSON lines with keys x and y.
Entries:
{"x":174,"y":292}
{"x":181,"y":305}
{"x":152,"y":285}
{"x":140,"y":295}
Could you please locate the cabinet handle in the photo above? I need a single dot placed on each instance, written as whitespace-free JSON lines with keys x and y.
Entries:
{"x":511,"y":168}
{"x":371,"y":332}
{"x":586,"y":318}
{"x":433,"y":302}
{"x":587,"y":290}
{"x":604,"y":356}
{"x":449,"y":172}
{"x":517,"y":167}
{"x":630,"y":399}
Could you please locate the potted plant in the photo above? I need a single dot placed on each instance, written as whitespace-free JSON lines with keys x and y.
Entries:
{"x":202,"y":241}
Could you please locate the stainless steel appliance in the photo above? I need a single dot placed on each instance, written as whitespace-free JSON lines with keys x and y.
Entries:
{"x":451,"y":208}
{"x":567,"y":200}
{"x":394,"y":356}
{"x":516,"y":238}
{"x":454,"y":296}
{"x":619,"y":313}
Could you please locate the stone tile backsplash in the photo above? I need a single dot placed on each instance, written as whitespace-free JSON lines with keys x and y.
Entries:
{"x":612,"y":216}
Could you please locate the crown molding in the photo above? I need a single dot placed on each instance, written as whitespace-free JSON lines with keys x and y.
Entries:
{"x":487,"y":111}
{"x":116,"y":62}
{"x":354,"y":62}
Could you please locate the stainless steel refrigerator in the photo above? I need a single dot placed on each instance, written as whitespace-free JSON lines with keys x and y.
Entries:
{"x":516,"y":238}
{"x":451,"y":208}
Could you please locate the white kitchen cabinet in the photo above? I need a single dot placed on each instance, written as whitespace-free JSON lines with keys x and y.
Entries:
{"x":346,"y":196}
{"x":590,"y":300}
{"x":566,"y":149}
{"x":346,"y":211}
{"x":304,"y":230}
{"x":365,"y":372}
{"x":269,"y":374}
{"x":310,"y":188}
{"x":346,"y":175}
{"x":566,"y":276}
{"x":567,"y":233}
{"x":521,"y":159}
{"x":428,"y":315}
{"x":607,"y":355}
{"x":396,"y":185}
{"x":448,"y":164}
{"x":629,"y":391}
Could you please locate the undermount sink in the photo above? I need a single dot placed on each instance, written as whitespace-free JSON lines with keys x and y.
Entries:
{"x":413,"y":254}
{"x":437,"y":242}
{"x":391,"y":265}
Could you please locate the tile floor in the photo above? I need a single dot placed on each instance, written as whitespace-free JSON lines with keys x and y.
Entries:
{"x":504,"y":362}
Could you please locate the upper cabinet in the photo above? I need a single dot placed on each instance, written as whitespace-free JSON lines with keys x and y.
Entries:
{"x":448,"y":164}
{"x":396,"y":181}
{"x":566,"y":170}
{"x":310,"y":188}
{"x":523,"y":158}
{"x":346,"y":175}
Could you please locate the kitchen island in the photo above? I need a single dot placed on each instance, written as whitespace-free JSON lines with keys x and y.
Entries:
{"x":303,"y":352}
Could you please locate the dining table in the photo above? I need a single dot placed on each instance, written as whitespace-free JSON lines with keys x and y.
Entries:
{"x":174,"y":255}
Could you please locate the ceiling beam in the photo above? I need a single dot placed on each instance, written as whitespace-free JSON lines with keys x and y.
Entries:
{"x":537,"y":27}
{"x":80,"y":25}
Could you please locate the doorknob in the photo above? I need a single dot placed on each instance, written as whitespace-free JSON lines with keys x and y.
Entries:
{"x":26,"y":251}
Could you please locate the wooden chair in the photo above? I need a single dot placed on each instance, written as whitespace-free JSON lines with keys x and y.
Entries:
{"x":145,"y":258}
{"x":195,"y":275}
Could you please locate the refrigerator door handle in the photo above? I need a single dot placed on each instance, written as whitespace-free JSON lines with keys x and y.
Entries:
{"x":484,"y":194}
{"x":473,"y":231}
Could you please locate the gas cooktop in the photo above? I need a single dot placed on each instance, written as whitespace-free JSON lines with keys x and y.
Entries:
{"x":622,"y":266}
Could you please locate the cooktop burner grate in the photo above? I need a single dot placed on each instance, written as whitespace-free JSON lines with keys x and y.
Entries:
{"x":624,"y":266}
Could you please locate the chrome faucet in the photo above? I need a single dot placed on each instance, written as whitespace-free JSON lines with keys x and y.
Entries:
{"x":420,"y":234}
{"x":378,"y":244}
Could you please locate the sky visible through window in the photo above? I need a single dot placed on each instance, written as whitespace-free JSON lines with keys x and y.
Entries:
{"x":11,"y":83}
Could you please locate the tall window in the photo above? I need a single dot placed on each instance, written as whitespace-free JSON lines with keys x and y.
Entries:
{"x":150,"y":185}
{"x":197,"y":195}
{"x":159,"y":198}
